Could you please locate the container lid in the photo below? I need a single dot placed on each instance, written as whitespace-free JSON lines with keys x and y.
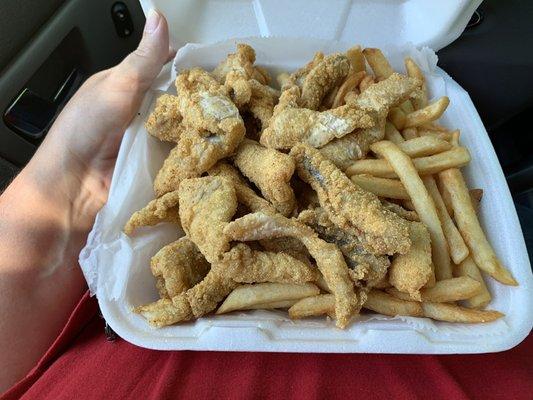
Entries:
{"x":372,"y":23}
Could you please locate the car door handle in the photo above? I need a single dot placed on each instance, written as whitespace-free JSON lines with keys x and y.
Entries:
{"x":32,"y":115}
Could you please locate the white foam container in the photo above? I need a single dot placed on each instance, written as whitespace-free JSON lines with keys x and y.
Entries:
{"x":117,"y":267}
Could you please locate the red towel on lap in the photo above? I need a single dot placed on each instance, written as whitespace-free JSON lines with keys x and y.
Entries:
{"x":82,"y":364}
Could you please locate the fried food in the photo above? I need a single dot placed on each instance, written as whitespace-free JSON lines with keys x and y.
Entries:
{"x":206,"y":206}
{"x":245,"y":195}
{"x":325,"y":75}
{"x":177,"y":267}
{"x":165,"y":122}
{"x":291,"y":125}
{"x":410,"y":272}
{"x":328,"y":257}
{"x":271,"y":171}
{"x":351,"y":208}
{"x":158,"y":210}
{"x":244,"y":265}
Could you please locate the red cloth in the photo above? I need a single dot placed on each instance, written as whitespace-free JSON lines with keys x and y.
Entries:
{"x":82,"y":364}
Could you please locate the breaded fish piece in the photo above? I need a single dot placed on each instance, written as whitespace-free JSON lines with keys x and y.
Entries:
{"x":158,"y":210}
{"x":177,"y":267}
{"x":344,"y":151}
{"x":165,"y":122}
{"x":322,"y":77}
{"x":271,"y":171}
{"x":164,"y":312}
{"x":262,"y":102}
{"x":298,"y":77}
{"x":390,"y":92}
{"x":207,"y":204}
{"x":236,"y":71}
{"x":351,"y":208}
{"x":329,"y":259}
{"x":245,"y":265}
{"x":410,"y":272}
{"x":372,"y":268}
{"x":245,"y":195}
{"x":300,"y":125}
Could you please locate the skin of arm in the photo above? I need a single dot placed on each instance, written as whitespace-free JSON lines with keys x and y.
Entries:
{"x":48,"y":210}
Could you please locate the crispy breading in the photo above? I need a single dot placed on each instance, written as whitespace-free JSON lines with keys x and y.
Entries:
{"x":164,"y":312}
{"x":321,"y":78}
{"x":158,"y":210}
{"x":165,"y":121}
{"x":206,"y":206}
{"x":329,"y":259}
{"x":204,"y":297}
{"x":351,"y":208}
{"x":291,"y":126}
{"x":178,"y":266}
{"x":245,"y":265}
{"x":245,"y":195}
{"x":271,"y":171}
{"x":372,"y":267}
{"x":344,"y":151}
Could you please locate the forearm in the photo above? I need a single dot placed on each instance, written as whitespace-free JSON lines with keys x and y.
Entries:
{"x":40,"y":280}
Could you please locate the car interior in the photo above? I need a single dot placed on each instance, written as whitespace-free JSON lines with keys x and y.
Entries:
{"x":49,"y":47}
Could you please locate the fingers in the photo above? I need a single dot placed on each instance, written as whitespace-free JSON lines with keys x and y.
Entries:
{"x":144,"y":64}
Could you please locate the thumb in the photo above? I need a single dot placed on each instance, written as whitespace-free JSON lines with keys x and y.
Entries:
{"x":145,"y":63}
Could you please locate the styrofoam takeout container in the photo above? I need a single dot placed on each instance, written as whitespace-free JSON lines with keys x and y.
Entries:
{"x":117,"y":267}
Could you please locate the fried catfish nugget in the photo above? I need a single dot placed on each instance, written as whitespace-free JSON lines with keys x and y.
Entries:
{"x":245,"y":195}
{"x":271,"y":171}
{"x":159,"y":210}
{"x":245,"y":265}
{"x":372,"y":267}
{"x":329,"y":259}
{"x":321,"y":78}
{"x":351,"y":208}
{"x":206,"y":206}
{"x":178,"y":266}
{"x":165,"y":121}
{"x":290,"y":125}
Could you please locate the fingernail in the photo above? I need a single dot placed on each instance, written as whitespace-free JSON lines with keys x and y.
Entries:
{"x":152,"y":21}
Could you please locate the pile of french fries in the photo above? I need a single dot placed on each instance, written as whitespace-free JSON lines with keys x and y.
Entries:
{"x":417,"y":166}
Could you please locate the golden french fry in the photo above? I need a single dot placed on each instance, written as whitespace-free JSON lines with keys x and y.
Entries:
{"x":384,"y":303}
{"x":382,"y":187}
{"x":470,"y":228}
{"x":453,"y":158}
{"x":411,"y":271}
{"x":245,"y":296}
{"x":356,"y":59}
{"x":446,"y":291}
{"x":392,"y":134}
{"x":350,"y":83}
{"x":433,"y":126}
{"x":407,"y":107}
{"x":313,"y":306}
{"x":452,"y":313}
{"x":424,"y":146}
{"x":458,"y":249}
{"x":414,"y":71}
{"x":424,"y":205}
{"x":469,"y":268}
{"x":409,"y":133}
{"x":428,"y":113}
{"x":448,"y":136}
{"x":397,"y":117}
{"x":456,"y":134}
{"x":273,"y":305}
{"x":378,"y":63}
{"x":366,"y":82}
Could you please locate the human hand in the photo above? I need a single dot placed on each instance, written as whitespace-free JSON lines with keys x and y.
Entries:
{"x":78,"y":155}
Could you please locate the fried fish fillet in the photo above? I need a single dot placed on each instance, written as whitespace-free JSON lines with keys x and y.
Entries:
{"x":158,"y":210}
{"x":207,"y":204}
{"x":329,"y":259}
{"x":165,"y":121}
{"x":178,"y":266}
{"x":271,"y":171}
{"x":245,"y":265}
{"x":245,"y":195}
{"x":351,"y":208}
